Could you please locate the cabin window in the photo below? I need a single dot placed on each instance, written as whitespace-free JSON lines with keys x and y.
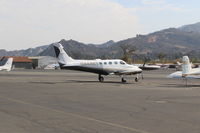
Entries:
{"x":105,"y":63}
{"x":122,"y":63}
{"x":116,"y":62}
{"x":100,"y":63}
{"x":110,"y":63}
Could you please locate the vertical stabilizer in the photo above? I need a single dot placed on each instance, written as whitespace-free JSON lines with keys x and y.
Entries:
{"x":8,"y":65}
{"x":186,"y":66}
{"x":62,"y":56}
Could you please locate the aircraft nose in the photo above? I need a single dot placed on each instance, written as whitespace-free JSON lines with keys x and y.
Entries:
{"x":139,"y":70}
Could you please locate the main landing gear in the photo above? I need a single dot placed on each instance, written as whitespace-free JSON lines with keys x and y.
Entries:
{"x":123,"y":80}
{"x":136,"y":79}
{"x":101,"y":79}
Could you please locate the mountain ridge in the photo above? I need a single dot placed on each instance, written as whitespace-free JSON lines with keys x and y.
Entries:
{"x":172,"y":42}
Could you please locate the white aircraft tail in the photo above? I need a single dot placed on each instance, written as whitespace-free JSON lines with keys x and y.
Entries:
{"x":63,"y":58}
{"x":186,"y":66}
{"x":8,"y":65}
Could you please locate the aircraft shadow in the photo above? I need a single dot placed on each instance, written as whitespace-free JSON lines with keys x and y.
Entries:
{"x":79,"y":81}
{"x":107,"y":82}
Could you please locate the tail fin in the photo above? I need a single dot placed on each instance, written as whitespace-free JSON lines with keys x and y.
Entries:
{"x":8,"y":65}
{"x":62,"y":56}
{"x":186,"y":66}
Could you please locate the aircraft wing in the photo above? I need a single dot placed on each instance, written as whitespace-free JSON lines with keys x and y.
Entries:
{"x":179,"y":75}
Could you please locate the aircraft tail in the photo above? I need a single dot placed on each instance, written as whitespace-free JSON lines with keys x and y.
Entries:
{"x":63,"y":58}
{"x":8,"y":64}
{"x":186,"y":66}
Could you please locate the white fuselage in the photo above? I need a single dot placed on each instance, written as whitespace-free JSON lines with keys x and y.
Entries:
{"x":104,"y":67}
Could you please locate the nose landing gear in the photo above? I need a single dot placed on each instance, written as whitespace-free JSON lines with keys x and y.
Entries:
{"x":137,"y":79}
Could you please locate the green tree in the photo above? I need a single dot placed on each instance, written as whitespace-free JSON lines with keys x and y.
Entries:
{"x":161,"y":55}
{"x":127,"y":53}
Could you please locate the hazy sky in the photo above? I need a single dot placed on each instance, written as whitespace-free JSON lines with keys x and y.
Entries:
{"x":31,"y":23}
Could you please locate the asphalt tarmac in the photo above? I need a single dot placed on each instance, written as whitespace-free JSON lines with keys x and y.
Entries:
{"x":72,"y":102}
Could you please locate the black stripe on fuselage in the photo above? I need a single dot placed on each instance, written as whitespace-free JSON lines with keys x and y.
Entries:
{"x":148,"y":68}
{"x":86,"y":69}
{"x":131,"y":73}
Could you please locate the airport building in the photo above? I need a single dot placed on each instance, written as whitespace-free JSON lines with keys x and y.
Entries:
{"x":22,"y":63}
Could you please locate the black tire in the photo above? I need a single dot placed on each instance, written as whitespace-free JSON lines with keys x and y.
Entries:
{"x":136,"y":79}
{"x":101,"y":79}
{"x":123,"y":80}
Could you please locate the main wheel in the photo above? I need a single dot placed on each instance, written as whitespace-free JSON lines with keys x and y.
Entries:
{"x":101,"y":79}
{"x":136,"y":79}
{"x":123,"y":80}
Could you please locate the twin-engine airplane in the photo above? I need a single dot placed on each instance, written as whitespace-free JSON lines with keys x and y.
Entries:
{"x":187,"y":70}
{"x":7,"y":65}
{"x":98,"y":66}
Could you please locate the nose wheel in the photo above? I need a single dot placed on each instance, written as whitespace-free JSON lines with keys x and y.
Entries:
{"x":137,"y":79}
{"x":101,"y":79}
{"x":123,"y":80}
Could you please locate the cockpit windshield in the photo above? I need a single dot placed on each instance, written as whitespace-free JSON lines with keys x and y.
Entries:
{"x":122,"y":62}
